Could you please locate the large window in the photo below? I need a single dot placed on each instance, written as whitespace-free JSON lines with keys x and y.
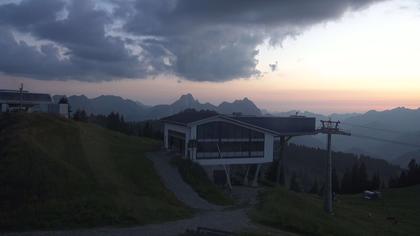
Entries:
{"x":226,"y":140}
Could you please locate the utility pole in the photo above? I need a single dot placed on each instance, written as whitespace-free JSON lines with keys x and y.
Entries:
{"x":329,"y":127}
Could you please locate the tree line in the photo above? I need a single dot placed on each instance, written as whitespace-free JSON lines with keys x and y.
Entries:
{"x":353,"y":181}
{"x":116,"y":122}
{"x":408,"y":177}
{"x":356,"y":180}
{"x":303,"y":169}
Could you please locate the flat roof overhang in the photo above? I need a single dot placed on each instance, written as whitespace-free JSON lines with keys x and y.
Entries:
{"x":24,"y":102}
{"x":282,"y":126}
{"x":297,"y":133}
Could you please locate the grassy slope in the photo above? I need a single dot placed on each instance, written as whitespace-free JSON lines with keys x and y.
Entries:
{"x":59,"y":173}
{"x":353,"y":215}
{"x":195,"y":176}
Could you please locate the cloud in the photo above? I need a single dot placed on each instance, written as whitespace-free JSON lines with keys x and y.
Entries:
{"x":273,"y":67}
{"x":200,"y":40}
{"x":89,"y":53}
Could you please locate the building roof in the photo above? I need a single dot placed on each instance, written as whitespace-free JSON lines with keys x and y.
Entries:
{"x":15,"y":96}
{"x":293,"y":125}
{"x":189,"y":116}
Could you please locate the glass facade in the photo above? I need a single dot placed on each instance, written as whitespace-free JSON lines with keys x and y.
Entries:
{"x":226,"y":140}
{"x":176,"y":141}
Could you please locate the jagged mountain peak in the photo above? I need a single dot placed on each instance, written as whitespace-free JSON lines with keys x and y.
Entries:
{"x":244,"y":106}
{"x":109,"y":97}
{"x":186,"y":101}
{"x":187,"y":96}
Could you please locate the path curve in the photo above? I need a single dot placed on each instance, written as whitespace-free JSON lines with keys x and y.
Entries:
{"x":173,"y":181}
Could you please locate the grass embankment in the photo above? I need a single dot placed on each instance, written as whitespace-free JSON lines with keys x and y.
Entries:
{"x":194,"y":175}
{"x":303,"y":213}
{"x":56,"y":173}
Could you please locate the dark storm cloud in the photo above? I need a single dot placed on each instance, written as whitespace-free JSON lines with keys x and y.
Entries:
{"x":29,"y":13}
{"x":19,"y":58}
{"x":202,"y":40}
{"x":216,"y":40}
{"x":89,"y":53}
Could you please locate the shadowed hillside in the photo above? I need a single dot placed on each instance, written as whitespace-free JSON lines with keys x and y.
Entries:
{"x":61,"y":173}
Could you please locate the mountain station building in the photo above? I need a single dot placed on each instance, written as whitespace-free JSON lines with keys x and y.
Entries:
{"x":215,"y":140}
{"x":24,"y":101}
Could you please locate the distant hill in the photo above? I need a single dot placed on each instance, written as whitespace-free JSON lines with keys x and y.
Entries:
{"x":106,"y":104}
{"x":399,"y":127}
{"x":60,"y":173}
{"x":136,"y":111}
{"x":400,"y":119}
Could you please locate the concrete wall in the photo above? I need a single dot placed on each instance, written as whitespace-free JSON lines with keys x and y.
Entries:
{"x":177,"y":128}
{"x":63,"y":110}
{"x":4,"y":107}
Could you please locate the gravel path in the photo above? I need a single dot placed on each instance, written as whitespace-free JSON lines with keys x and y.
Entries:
{"x":173,"y":181}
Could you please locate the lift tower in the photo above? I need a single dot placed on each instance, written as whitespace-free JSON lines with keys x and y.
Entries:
{"x":330,"y":127}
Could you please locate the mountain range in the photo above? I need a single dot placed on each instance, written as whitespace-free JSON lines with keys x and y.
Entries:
{"x":136,"y":111}
{"x":393,"y":135}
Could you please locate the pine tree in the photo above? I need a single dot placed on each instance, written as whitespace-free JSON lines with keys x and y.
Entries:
{"x":80,"y":115}
{"x":408,"y":177}
{"x":375,"y":182}
{"x":322,"y":190}
{"x":403,"y":180}
{"x":282,"y":179}
{"x":382,"y":186}
{"x":346,"y":183}
{"x":294,"y":184}
{"x":271,"y":173}
{"x":363,"y":183}
{"x":315,"y":188}
{"x":354,"y":183}
{"x":412,"y":175}
{"x":393,"y":182}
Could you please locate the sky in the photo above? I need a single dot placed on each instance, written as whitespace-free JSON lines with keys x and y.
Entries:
{"x":322,"y":56}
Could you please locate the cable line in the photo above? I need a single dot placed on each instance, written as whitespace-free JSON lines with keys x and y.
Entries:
{"x":386,"y":140}
{"x":372,"y":128}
